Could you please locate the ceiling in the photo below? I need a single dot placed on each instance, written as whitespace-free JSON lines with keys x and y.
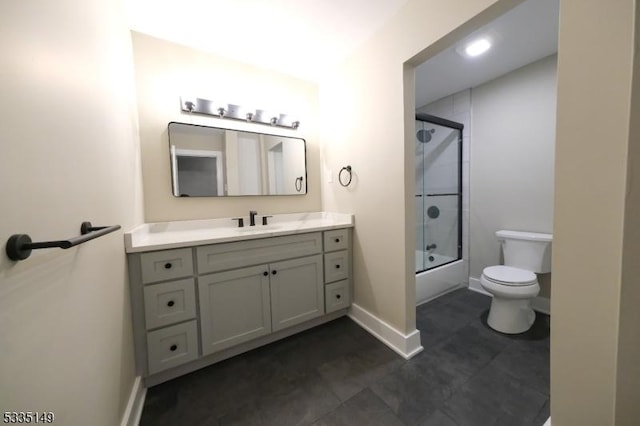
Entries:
{"x":524,"y":34}
{"x":303,"y":38}
{"x":296,"y":37}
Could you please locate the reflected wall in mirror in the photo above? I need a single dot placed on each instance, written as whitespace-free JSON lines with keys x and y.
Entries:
{"x":216,"y":162}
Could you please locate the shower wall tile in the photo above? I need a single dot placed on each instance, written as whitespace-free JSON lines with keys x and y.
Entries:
{"x":466,"y":151}
{"x":465,"y":185}
{"x":465,"y":234}
{"x":460,"y":117}
{"x":440,"y":107}
{"x":462,"y":101}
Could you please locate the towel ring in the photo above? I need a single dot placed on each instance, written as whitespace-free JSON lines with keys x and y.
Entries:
{"x":346,"y":169}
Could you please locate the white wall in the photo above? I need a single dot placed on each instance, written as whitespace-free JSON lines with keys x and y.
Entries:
{"x":69,"y":152}
{"x":512,"y":159}
{"x":164,"y":72}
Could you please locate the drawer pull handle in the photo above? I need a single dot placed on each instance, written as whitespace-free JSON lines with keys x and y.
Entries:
{"x":170,"y":303}
{"x":274,"y":272}
{"x":168,"y":265}
{"x":173,"y":348}
{"x":337,"y":240}
{"x":338,"y":296}
{"x":265,"y":273}
{"x":338,"y":266}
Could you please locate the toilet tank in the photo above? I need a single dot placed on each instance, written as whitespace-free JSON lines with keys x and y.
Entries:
{"x":526,"y":250}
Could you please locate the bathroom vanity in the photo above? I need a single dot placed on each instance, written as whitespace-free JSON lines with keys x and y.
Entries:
{"x":203,"y":291}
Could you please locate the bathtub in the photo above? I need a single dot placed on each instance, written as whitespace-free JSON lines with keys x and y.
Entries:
{"x":440,"y":279}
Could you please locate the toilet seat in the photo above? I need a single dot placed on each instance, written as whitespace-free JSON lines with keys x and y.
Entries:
{"x":509,"y":276}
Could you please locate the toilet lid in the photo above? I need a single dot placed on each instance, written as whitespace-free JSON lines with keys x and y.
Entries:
{"x":508,"y":275}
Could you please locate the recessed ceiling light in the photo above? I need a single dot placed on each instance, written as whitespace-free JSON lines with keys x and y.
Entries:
{"x":477,"y":47}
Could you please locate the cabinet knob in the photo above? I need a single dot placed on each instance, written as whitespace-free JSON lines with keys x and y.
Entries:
{"x":337,"y":240}
{"x":173,"y":348}
{"x":338,"y":296}
{"x":274,"y":272}
{"x":338,"y":266}
{"x":168,"y":265}
{"x":265,"y":273}
{"x":171,"y":303}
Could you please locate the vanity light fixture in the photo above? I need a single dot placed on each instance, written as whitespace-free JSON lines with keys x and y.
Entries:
{"x":207,"y":107}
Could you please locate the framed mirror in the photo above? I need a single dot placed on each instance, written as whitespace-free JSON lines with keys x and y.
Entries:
{"x":217,"y":162}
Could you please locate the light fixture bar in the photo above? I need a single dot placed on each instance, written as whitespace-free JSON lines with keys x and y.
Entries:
{"x":237,"y":112}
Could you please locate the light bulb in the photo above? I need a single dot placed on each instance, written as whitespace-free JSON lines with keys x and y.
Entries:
{"x":477,"y":47}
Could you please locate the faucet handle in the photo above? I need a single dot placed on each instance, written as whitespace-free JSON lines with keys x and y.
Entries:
{"x":240,"y":221}
{"x":264,"y":220}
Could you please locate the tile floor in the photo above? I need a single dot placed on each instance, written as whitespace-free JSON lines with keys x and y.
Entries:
{"x":338,"y":374}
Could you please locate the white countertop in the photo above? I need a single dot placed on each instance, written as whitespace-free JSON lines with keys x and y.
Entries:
{"x":166,"y":235}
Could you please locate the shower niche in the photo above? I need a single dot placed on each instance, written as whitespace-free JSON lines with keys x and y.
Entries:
{"x":438,"y":165}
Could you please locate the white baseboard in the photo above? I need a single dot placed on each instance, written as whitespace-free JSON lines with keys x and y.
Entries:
{"x":406,"y":345}
{"x":474,"y":284}
{"x":542,"y":305}
{"x":133,"y":411}
{"x":539,"y":304}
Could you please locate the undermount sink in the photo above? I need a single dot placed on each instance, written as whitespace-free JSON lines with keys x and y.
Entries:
{"x":257,"y":228}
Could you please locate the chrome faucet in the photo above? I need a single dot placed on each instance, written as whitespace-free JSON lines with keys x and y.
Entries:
{"x":252,"y":217}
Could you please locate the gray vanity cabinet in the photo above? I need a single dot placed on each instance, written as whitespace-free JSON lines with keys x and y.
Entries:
{"x":234,"y":307}
{"x":193,"y":306}
{"x":337,"y":270}
{"x":297,"y":291}
{"x":242,"y":304}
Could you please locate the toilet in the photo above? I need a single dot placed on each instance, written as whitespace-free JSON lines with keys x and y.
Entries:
{"x":514,"y":284}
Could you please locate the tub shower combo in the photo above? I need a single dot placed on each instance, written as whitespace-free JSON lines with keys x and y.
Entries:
{"x":438,"y":198}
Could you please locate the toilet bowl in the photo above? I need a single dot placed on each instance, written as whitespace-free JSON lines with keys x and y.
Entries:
{"x":512,"y":290}
{"x":514,"y":284}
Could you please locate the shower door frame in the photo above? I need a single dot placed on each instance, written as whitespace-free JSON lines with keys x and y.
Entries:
{"x":458,"y":126}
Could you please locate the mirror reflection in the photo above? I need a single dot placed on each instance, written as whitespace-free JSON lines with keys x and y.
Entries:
{"x":215,"y":162}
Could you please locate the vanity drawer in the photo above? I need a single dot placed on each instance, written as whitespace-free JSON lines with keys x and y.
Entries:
{"x":221,"y":257}
{"x":168,"y":303}
{"x":336,"y":266}
{"x":337,"y":296}
{"x":166,"y":265}
{"x":336,"y":240}
{"x":172,"y":346}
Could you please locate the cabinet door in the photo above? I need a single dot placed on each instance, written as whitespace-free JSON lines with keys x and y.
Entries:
{"x":234,"y":307}
{"x":297,"y":291}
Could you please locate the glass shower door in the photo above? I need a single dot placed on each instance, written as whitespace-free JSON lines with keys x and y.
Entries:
{"x":438,"y":192}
